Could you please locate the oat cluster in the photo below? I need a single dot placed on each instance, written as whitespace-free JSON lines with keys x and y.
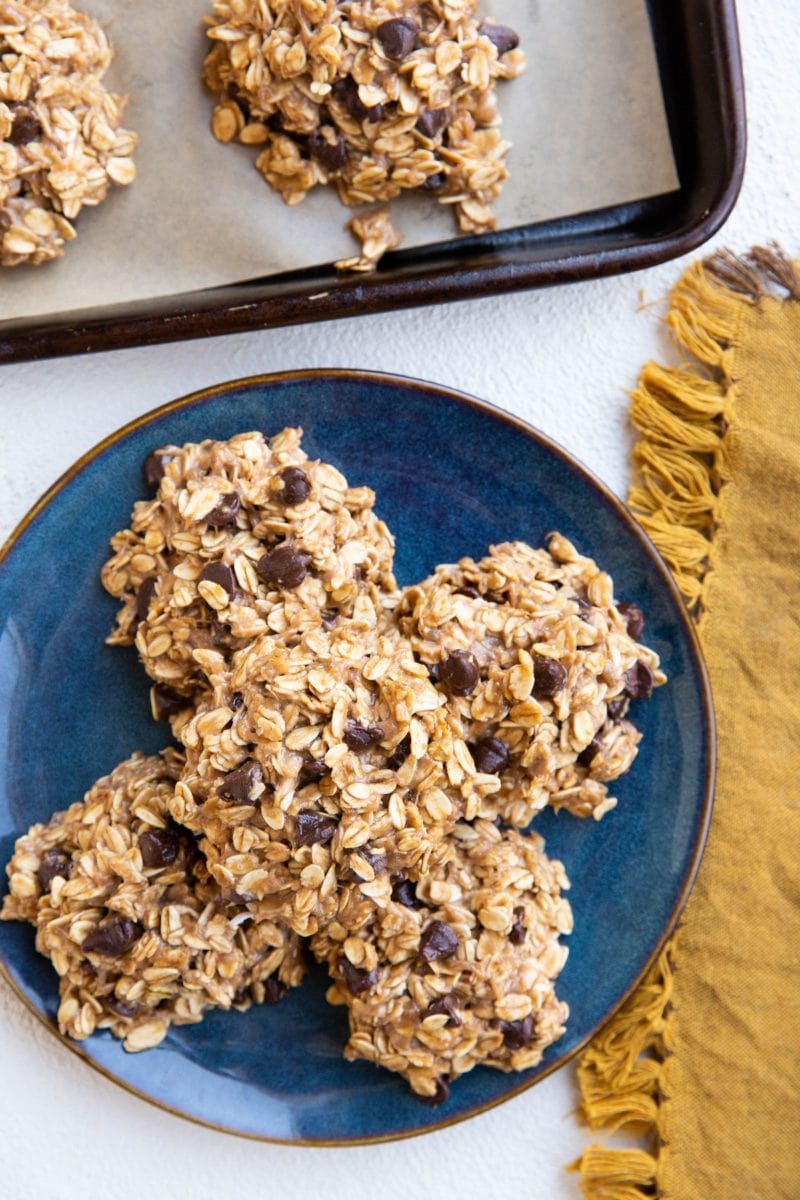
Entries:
{"x":61,"y":140}
{"x":357,"y":764}
{"x":374,"y":97}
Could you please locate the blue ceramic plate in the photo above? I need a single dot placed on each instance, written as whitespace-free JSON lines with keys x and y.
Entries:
{"x":452,"y":475}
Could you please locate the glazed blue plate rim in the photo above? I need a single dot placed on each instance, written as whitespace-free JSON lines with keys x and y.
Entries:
{"x":666,"y":580}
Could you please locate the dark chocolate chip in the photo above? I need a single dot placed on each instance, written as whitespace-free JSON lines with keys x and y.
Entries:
{"x":312,"y":770}
{"x":587,"y":756}
{"x":224,"y":514}
{"x":332,"y":156}
{"x":113,"y":938}
{"x":490,"y":755}
{"x":312,"y":827}
{"x":445,"y":1004}
{"x":237,"y":786}
{"x":617,"y":708}
{"x":274,"y":990}
{"x":218,"y":572}
{"x":639,"y":682}
{"x":358,"y":979}
{"x":435,"y":183}
{"x":54,"y":862}
{"x":399,"y":755}
{"x":147,"y":590}
{"x":439,"y":1096}
{"x":296,"y":484}
{"x":517,"y":934}
{"x":468,"y":589}
{"x":458,"y":673}
{"x":397,"y":37}
{"x":346,"y":91}
{"x":358,"y":737}
{"x":153,"y":468}
{"x":165,"y":703}
{"x":236,"y":701}
{"x":501,"y":36}
{"x":375,"y":858}
{"x":438,"y":941}
{"x":123,"y":1008}
{"x":432,"y":121}
{"x":159,"y":847}
{"x":517,"y":1034}
{"x":549,"y":677}
{"x":284,"y":567}
{"x":405,"y":892}
{"x":25,"y":127}
{"x":633,"y":618}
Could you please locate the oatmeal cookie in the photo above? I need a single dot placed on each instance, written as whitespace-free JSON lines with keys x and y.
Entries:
{"x":374,"y":96}
{"x":125,"y":909}
{"x":540,"y":664}
{"x":61,"y":140}
{"x":458,"y":971}
{"x":243,"y":538}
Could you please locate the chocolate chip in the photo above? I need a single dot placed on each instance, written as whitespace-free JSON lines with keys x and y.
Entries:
{"x":549,"y":677}
{"x":639,"y":682}
{"x":311,"y":827}
{"x":123,"y":1008}
{"x":501,"y":36}
{"x":517,"y":934}
{"x":358,"y":979}
{"x":54,"y":862}
{"x":147,"y":590}
{"x":439,"y":1096}
{"x":432,"y":121}
{"x":399,"y":755}
{"x":458,"y":673}
{"x":312,"y":770}
{"x":468,"y":590}
{"x":490,"y":755}
{"x":236,"y":701}
{"x":238,"y":786}
{"x":359,"y":738}
{"x":224,"y":514}
{"x":332,"y":156}
{"x":165,"y":703}
{"x":153,"y":468}
{"x":397,"y":37}
{"x":296,"y":484}
{"x":633,"y":618}
{"x":159,"y":847}
{"x":375,"y":858}
{"x":113,"y":938}
{"x":405,"y":892}
{"x":438,"y":941}
{"x":617,"y":708}
{"x":517,"y":1034}
{"x":284,"y":567}
{"x":219,"y":573}
{"x":434,"y":183}
{"x":346,"y":91}
{"x":587,"y":756}
{"x":25,"y":127}
{"x":445,"y":1004}
{"x":274,"y":990}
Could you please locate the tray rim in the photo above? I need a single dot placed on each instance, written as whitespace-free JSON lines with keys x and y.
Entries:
{"x":623,"y":512}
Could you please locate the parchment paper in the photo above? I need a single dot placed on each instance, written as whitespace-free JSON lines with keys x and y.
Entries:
{"x":586,"y":120}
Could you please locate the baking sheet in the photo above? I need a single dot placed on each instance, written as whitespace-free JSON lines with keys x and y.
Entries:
{"x":586,"y":120}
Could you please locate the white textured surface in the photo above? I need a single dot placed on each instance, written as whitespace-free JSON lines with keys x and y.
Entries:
{"x":560,"y":358}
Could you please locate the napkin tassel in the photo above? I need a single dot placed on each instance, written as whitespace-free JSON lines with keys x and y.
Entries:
{"x":680,"y":470}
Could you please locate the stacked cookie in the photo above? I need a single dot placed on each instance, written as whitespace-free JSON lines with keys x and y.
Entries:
{"x":356,"y":764}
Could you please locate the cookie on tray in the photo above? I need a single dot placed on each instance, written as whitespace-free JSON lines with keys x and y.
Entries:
{"x":62,"y":144}
{"x":243,"y":538}
{"x":541,"y":664}
{"x":460,"y":970}
{"x":128,"y":914}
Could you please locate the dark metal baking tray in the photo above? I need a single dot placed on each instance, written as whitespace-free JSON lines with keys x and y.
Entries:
{"x":697,"y":46}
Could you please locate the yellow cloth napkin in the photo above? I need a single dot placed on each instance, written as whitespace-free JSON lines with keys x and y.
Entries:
{"x":706,"y":1055}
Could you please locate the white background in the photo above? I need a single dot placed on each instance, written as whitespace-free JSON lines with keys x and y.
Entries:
{"x":560,"y":358}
